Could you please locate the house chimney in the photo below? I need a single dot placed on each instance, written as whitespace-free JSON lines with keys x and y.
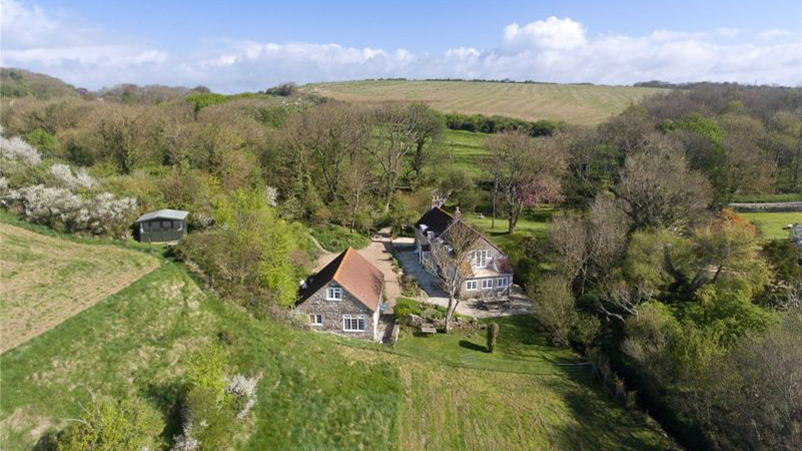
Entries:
{"x":457,"y":213}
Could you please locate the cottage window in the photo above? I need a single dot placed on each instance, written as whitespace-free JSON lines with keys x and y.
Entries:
{"x":316,"y":320}
{"x":480,"y":258}
{"x":487,"y":284}
{"x":166,"y":225}
{"x":334,"y":294}
{"x":470,"y":285}
{"x":354,"y":323}
{"x":503,"y":282}
{"x":177,"y":225}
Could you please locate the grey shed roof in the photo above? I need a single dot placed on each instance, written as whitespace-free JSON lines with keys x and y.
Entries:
{"x":164,"y":214}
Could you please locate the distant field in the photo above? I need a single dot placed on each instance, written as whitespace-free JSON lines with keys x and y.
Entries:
{"x":772,"y":225}
{"x":574,"y":104}
{"x":45,"y":280}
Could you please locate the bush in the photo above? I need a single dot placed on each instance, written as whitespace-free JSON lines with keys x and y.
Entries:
{"x":553,"y":307}
{"x":60,"y":209}
{"x":110,"y":425}
{"x":214,"y":402}
{"x":492,"y":336}
{"x":251,"y":255}
{"x":405,"y":307}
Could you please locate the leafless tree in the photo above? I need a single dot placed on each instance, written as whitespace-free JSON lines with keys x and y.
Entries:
{"x":658,"y":189}
{"x":400,"y":131}
{"x":331,"y":134}
{"x":450,"y":255}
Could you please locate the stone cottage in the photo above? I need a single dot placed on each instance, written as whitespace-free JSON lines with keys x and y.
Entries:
{"x":345,"y":297}
{"x":490,"y":271}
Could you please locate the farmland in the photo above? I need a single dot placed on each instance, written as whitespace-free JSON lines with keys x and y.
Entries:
{"x":574,"y":104}
{"x":445,"y":392}
{"x":46,"y":280}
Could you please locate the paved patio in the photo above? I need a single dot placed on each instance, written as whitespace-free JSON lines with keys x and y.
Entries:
{"x":518,"y":303}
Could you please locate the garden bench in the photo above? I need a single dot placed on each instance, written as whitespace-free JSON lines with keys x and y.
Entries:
{"x":427,"y":329}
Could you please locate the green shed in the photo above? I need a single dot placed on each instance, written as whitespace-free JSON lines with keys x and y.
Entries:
{"x":161,"y":226}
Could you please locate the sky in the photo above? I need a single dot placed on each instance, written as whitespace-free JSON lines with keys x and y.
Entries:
{"x":236,"y":46}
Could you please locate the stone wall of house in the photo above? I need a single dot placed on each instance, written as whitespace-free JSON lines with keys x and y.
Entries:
{"x":333,"y":312}
{"x":489,"y":293}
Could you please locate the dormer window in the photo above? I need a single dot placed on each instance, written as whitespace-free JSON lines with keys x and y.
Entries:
{"x":480,"y":258}
{"x":334,"y":294}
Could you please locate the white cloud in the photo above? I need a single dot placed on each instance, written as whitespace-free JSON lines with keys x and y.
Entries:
{"x":554,"y":49}
{"x":774,"y":34}
{"x":549,"y":34}
{"x":61,"y":45}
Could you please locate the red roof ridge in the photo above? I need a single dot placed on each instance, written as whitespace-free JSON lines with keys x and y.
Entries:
{"x":342,"y":262}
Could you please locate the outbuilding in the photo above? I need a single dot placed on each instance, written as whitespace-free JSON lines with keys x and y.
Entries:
{"x":161,"y":226}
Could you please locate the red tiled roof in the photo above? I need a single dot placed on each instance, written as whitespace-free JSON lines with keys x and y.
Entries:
{"x":354,"y":273}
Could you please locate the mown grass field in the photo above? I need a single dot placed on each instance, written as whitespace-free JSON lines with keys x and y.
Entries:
{"x":319,"y":392}
{"x":45,"y":280}
{"x":772,"y":224}
{"x":466,"y":149}
{"x":574,"y":104}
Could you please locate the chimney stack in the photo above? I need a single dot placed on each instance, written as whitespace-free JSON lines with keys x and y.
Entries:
{"x":457,"y":213}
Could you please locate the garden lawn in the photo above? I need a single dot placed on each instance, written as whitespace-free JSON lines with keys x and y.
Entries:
{"x":528,"y":395}
{"x":533,"y":223}
{"x":772,"y":225}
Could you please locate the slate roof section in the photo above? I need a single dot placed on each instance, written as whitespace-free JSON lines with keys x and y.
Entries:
{"x":164,"y":214}
{"x":435,"y":220}
{"x":352,"y":272}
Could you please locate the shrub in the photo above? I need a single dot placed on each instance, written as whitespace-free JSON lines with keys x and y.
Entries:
{"x":252,"y":255}
{"x":66,"y":178}
{"x":60,"y":209}
{"x":15,"y":149}
{"x":405,"y":307}
{"x":110,"y":425}
{"x":492,"y":336}
{"x":206,"y":369}
{"x":214,"y":402}
{"x":553,"y":307}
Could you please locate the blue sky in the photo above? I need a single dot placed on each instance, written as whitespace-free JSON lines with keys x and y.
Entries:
{"x":244,"y":45}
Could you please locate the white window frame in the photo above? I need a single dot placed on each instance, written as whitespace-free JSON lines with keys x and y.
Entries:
{"x":334,"y":294}
{"x":471,"y":285}
{"x":503,"y":282}
{"x":480,"y":258}
{"x":487,"y":284}
{"x":316,"y":319}
{"x":348,"y":322}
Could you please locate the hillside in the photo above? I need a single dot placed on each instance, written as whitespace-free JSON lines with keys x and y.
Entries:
{"x":319,"y":392}
{"x":22,"y":83}
{"x":45,"y":280}
{"x":574,"y":104}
